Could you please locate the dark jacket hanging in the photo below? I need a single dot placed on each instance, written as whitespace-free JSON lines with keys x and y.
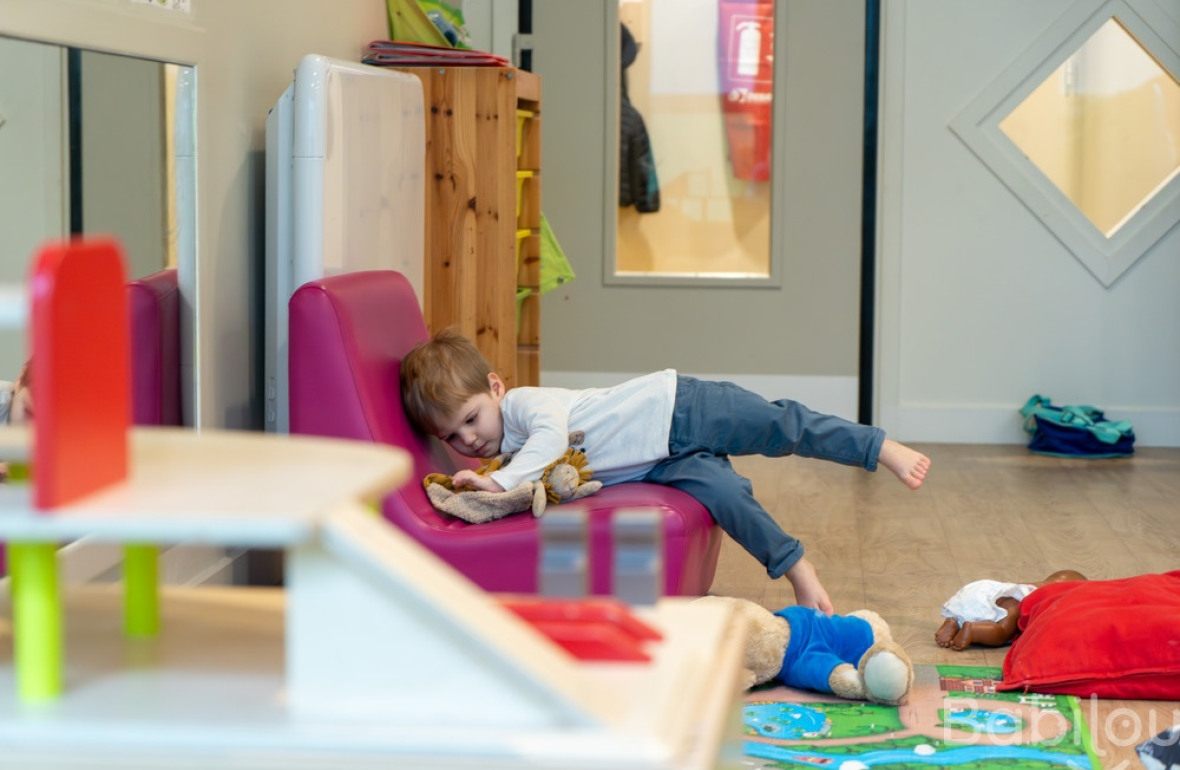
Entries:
{"x":638,"y":184}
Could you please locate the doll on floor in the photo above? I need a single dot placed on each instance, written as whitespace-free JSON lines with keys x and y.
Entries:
{"x":985,"y":611}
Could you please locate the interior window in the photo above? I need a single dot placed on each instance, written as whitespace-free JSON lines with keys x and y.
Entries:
{"x":1104,"y":127}
{"x":695,"y":138}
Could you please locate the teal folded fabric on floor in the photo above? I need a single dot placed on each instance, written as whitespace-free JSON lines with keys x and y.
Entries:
{"x":1075,"y":430}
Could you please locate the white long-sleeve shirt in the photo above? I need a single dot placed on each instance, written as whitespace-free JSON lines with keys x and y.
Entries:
{"x":626,"y":428}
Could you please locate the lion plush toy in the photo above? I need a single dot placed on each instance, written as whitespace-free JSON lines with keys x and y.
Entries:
{"x":566,"y":478}
{"x":852,"y":656}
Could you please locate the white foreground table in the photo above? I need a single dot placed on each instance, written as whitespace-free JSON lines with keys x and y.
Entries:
{"x":377,"y":654}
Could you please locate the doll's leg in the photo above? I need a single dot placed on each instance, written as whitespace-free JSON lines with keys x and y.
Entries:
{"x":985,"y":632}
{"x":989,"y":633}
{"x":946,"y":632}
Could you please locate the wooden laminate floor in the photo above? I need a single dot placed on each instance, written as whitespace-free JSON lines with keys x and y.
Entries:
{"x":993,"y":511}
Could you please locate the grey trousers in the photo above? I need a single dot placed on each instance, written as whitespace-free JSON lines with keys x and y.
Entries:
{"x":712,"y":420}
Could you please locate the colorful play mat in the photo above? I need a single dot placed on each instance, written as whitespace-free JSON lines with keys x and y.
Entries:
{"x":954,"y":718}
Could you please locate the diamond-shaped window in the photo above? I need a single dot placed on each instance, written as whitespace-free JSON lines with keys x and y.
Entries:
{"x":1104,"y":127}
{"x":1083,"y":127}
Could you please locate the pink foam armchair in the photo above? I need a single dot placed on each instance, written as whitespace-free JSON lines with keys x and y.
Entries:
{"x":348,"y":334}
{"x":153,"y":303}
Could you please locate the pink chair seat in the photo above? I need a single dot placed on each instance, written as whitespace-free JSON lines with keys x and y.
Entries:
{"x":348,"y":334}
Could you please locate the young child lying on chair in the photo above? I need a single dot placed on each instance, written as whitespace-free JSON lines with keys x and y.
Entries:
{"x":663,"y":428}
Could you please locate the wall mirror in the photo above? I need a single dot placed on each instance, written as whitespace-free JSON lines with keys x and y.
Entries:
{"x":92,"y":143}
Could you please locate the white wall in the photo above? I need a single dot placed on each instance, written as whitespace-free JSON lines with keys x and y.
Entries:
{"x":981,"y":305}
{"x":245,"y":53}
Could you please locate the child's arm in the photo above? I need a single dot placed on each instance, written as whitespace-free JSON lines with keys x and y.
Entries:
{"x":545,"y":420}
{"x":469,"y":479}
{"x":809,"y":592}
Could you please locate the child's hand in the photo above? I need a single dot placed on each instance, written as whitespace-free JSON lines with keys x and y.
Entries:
{"x":469,"y":479}
{"x":809,"y":592}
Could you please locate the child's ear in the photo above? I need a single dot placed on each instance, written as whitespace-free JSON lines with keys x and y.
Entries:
{"x":495,"y":384}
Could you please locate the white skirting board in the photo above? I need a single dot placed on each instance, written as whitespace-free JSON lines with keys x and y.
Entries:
{"x":1001,"y":423}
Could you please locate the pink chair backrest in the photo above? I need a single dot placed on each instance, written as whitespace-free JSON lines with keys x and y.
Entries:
{"x":153,"y":304}
{"x":348,"y":334}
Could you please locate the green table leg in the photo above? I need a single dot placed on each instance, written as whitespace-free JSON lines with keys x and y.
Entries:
{"x":36,"y":619}
{"x":141,"y":598}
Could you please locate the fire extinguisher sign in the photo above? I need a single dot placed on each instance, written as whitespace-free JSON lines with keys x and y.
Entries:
{"x":745,"y":43}
{"x":751,"y":45}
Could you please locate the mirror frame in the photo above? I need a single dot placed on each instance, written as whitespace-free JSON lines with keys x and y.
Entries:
{"x":169,"y":37}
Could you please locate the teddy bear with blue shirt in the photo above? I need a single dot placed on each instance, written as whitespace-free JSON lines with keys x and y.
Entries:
{"x":852,"y":656}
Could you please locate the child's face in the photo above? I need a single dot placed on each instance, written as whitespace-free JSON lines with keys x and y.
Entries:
{"x":476,"y":429}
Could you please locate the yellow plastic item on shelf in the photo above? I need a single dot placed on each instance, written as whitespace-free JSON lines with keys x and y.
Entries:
{"x":522,"y":117}
{"x":521,"y":176}
{"x":520,"y":237}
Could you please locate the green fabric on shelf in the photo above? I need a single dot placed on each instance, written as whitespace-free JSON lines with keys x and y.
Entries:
{"x":409,"y":23}
{"x":555,"y":268}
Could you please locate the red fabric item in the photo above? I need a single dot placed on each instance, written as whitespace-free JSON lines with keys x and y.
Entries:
{"x":1109,"y":638}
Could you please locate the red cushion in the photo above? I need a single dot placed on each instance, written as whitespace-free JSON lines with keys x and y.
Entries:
{"x":1109,"y":638}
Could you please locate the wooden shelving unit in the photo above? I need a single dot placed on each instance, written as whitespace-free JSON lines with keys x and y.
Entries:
{"x":528,"y":235}
{"x":483,"y":211}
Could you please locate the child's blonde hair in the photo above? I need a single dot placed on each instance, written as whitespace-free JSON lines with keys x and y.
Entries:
{"x":438,"y":376}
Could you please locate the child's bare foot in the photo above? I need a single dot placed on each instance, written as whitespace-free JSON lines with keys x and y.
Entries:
{"x":946,"y":632}
{"x":907,"y":464}
{"x":809,"y":592}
